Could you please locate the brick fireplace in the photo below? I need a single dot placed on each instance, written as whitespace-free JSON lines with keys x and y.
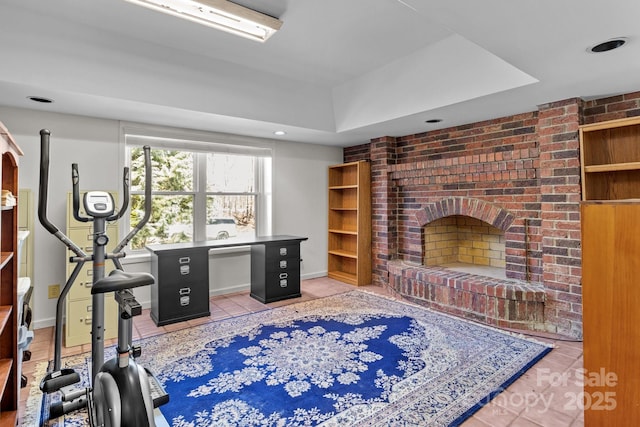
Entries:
{"x":464,"y":269}
{"x":482,"y":220}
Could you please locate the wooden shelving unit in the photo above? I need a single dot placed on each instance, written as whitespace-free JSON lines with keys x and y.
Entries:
{"x":610,"y":223}
{"x":610,"y":160}
{"x":350,"y":223}
{"x":9,"y":381}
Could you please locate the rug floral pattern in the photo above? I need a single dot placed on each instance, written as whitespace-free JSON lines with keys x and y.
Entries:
{"x":353,"y":359}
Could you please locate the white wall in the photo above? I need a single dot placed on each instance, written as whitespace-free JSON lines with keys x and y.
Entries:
{"x":299,"y":198}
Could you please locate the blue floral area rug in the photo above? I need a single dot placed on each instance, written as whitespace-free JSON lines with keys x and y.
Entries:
{"x":354,"y":359}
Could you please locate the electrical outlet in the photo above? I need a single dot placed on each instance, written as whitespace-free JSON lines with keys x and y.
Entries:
{"x":54,"y":291}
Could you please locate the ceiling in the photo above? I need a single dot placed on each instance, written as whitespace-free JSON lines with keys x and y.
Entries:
{"x":339,"y":72}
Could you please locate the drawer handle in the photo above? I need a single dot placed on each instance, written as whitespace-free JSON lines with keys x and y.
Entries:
{"x":283,"y":251}
{"x":184,"y":270}
{"x":283,"y":283}
{"x":283,"y":263}
{"x":87,"y":284}
{"x":184,"y":301}
{"x":86,"y":320}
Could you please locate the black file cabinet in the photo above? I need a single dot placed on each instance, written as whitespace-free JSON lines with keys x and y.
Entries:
{"x":275,"y":271}
{"x":181,"y":290}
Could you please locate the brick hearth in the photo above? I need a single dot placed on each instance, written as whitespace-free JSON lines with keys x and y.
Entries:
{"x":500,"y":302}
{"x":520,"y":174}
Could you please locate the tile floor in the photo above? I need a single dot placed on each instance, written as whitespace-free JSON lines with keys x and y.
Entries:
{"x":544,"y":396}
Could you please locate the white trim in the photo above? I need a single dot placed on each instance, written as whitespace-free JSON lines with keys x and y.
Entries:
{"x":200,"y":140}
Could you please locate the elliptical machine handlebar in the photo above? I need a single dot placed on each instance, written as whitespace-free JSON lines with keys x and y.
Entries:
{"x":147,"y":199}
{"x":43,"y":196}
{"x":44,"y":182}
{"x":75,"y":180}
{"x":125,"y":199}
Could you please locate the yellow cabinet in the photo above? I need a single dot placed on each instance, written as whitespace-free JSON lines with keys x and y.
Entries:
{"x":78,"y":305}
{"x":78,"y":326}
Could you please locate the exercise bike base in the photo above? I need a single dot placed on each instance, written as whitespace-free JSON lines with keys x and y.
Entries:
{"x":122,"y":396}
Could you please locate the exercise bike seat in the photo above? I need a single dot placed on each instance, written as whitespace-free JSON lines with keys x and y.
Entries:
{"x":119,"y":280}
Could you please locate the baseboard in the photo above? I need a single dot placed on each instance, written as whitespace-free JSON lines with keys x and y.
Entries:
{"x":49,"y":322}
{"x":229,"y":289}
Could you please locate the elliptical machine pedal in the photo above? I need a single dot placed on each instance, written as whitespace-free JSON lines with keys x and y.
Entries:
{"x":158,"y":394}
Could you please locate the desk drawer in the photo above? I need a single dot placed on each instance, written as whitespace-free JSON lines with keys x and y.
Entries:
{"x":183,"y":300}
{"x":285,"y":264}
{"x":187,"y":266}
{"x":277,"y":252}
{"x":283,"y":280}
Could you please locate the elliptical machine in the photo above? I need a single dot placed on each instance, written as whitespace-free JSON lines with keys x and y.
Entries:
{"x":123,"y":393}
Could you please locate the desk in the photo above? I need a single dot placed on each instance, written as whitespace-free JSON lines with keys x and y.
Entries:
{"x":181,"y":270}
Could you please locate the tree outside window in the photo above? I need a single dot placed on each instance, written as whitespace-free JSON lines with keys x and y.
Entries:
{"x":224,"y":206}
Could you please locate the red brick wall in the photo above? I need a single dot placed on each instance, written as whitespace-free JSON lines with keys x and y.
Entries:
{"x":527,"y":164}
{"x":384,"y":207}
{"x":615,"y":107}
{"x":560,"y":212}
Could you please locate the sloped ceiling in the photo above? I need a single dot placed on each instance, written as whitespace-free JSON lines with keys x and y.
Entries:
{"x":339,"y":72}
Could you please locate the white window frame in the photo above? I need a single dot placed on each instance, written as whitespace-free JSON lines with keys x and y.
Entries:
{"x":202,"y":143}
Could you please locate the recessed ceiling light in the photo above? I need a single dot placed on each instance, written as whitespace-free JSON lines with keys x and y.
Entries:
{"x":40,"y":99}
{"x":431,"y":121}
{"x":608,"y":45}
{"x":279,"y":132}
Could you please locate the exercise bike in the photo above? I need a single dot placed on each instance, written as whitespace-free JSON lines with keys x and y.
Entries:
{"x":122,"y":394}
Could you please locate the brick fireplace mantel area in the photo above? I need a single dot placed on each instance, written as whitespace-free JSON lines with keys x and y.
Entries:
{"x":520,"y":177}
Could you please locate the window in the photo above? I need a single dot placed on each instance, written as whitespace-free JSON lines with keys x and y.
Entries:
{"x":200,"y":191}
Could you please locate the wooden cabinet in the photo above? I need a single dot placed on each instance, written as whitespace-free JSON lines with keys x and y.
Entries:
{"x":79,"y":305}
{"x":350,"y":223}
{"x":610,"y":160}
{"x":610,"y":221}
{"x":9,"y":265}
{"x":611,"y":312}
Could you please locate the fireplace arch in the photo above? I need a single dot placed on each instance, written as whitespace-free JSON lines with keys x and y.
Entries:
{"x":490,"y":213}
